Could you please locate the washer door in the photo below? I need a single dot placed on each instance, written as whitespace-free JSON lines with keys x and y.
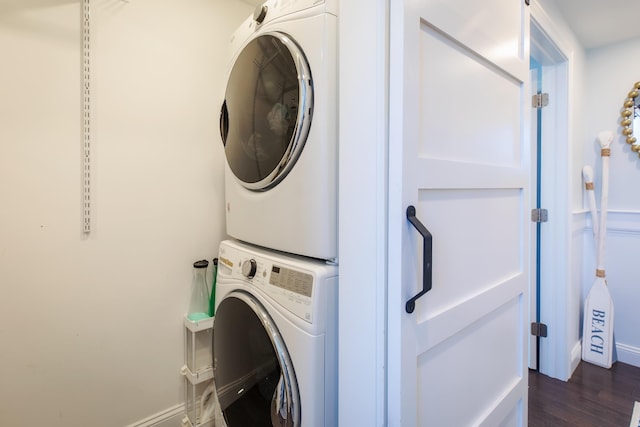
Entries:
{"x":255,"y":380}
{"x":266,"y":113}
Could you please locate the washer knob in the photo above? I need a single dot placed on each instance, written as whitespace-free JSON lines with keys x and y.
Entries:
{"x":260,"y":13}
{"x":249,"y":268}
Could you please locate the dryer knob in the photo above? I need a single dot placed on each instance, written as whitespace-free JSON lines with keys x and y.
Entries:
{"x":260,"y":13}
{"x":249,"y":268}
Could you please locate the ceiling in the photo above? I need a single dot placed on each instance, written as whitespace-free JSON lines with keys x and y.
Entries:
{"x":601,"y":22}
{"x":595,"y":22}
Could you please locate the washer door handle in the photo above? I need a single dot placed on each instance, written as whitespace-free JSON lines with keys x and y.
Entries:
{"x":427,"y":254}
{"x":224,"y":123}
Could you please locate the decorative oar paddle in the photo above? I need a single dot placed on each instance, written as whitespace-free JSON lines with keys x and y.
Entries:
{"x":587,"y":176}
{"x":597,"y":343}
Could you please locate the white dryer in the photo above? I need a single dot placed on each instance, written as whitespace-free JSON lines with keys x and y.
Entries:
{"x":275,"y":339}
{"x":279,"y":129}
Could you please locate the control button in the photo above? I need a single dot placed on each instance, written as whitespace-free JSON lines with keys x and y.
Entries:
{"x":249,"y":268}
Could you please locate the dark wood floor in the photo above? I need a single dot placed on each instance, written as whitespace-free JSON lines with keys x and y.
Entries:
{"x":593,"y":396}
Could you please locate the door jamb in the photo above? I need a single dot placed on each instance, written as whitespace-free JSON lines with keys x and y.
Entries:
{"x":556,"y":351}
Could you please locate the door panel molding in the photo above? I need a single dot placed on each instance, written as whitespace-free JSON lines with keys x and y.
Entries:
{"x":441,"y":326}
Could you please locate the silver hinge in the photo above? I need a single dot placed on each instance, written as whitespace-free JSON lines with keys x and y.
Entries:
{"x":540,"y":100}
{"x":539,"y":329}
{"x":539,"y":215}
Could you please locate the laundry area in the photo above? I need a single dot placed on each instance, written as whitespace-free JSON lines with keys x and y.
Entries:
{"x":150,"y":135}
{"x":296,"y":213}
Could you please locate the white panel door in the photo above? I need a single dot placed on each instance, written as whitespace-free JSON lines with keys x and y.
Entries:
{"x":459,"y":153}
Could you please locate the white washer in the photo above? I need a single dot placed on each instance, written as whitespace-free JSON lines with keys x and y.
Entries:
{"x":275,"y":338}
{"x":279,"y":128}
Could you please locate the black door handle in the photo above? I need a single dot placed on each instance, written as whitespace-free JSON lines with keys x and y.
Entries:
{"x":427,"y":254}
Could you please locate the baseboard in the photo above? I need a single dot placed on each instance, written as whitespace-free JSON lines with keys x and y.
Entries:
{"x":170,"y":417}
{"x":628,"y":354}
{"x":576,"y":357}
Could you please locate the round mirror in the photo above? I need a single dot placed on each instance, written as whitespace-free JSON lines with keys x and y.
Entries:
{"x":631,"y":118}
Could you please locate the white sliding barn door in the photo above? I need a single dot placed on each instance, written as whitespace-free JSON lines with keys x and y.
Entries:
{"x":459,"y":134}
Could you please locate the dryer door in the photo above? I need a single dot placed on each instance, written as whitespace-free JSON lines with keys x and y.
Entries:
{"x":255,"y":380}
{"x":266,"y":113}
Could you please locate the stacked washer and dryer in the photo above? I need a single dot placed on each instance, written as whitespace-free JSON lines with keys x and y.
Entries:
{"x":275,"y":325}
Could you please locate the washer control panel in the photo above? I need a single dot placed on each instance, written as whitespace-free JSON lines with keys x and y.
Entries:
{"x":297,"y":282}
{"x":291,"y":286}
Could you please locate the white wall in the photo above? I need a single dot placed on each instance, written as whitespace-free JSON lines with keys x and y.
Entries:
{"x":611,"y":72}
{"x":91,"y":327}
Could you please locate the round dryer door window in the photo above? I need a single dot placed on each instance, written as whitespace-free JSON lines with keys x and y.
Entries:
{"x":267,"y":110}
{"x":255,"y":381}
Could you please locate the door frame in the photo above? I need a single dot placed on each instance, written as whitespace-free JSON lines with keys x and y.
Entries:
{"x":560,"y":351}
{"x":362,"y":211}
